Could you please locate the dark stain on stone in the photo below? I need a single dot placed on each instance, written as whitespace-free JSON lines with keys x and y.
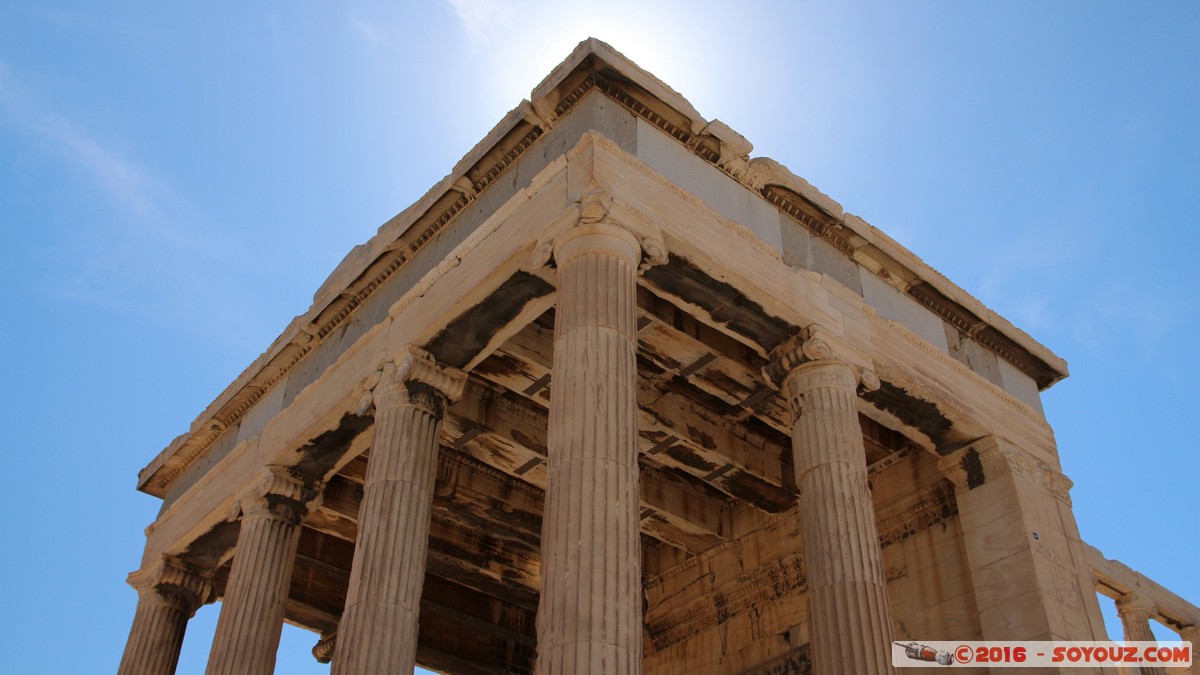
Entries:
{"x":649,"y":369}
{"x":758,"y":492}
{"x":526,"y":441}
{"x":721,"y":604}
{"x":468,"y":334}
{"x":700,"y":437}
{"x":680,"y":453}
{"x":974,"y":469}
{"x":648,"y":352}
{"x":658,"y":419}
{"x":773,"y":435}
{"x":681,"y":386}
{"x":500,"y":363}
{"x":911,"y":410}
{"x":208,"y":548}
{"x":513,"y":589}
{"x":323,"y":451}
{"x":723,"y":382}
{"x":724,"y":303}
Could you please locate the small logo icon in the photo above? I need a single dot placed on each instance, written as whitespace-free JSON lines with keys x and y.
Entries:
{"x":919,"y":652}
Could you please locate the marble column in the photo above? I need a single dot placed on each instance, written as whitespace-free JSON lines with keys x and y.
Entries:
{"x":590,"y":613}
{"x":378,"y":630}
{"x":1135,"y":611}
{"x":850,"y":619}
{"x":169,"y":593}
{"x":251,"y":617}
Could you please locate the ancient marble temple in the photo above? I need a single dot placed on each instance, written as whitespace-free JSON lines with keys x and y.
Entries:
{"x":617,"y":397}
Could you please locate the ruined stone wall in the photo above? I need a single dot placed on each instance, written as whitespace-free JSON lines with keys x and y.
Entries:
{"x":742,"y":607}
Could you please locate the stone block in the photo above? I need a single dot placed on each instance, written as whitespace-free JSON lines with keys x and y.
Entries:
{"x":261,"y":412}
{"x":997,"y":539}
{"x":1021,"y":385}
{"x":220,"y":448}
{"x":827,"y":259}
{"x":802,"y":248}
{"x":1019,"y":618}
{"x":725,"y":195}
{"x":892,"y":304}
{"x":973,"y":355}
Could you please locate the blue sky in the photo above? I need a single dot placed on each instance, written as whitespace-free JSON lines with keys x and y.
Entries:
{"x":176,"y":182}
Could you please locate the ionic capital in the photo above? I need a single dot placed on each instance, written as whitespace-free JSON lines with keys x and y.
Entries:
{"x":414,"y":377}
{"x":186,"y":586}
{"x":1136,"y":604}
{"x":598,"y":216}
{"x":323,"y":650}
{"x":282,"y":493}
{"x":816,"y":344}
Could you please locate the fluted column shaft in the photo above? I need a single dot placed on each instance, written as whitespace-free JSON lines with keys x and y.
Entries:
{"x":251,"y":618}
{"x":1135,"y":612}
{"x":849,"y":615}
{"x":157,"y":634}
{"x":590,"y":613}
{"x":168,"y":595}
{"x":378,"y":631}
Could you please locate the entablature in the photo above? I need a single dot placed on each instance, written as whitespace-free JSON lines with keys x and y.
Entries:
{"x":596,"y":68}
{"x":741,"y":300}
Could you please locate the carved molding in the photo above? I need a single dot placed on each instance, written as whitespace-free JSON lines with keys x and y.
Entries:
{"x":798,"y":661}
{"x":177,"y":580}
{"x":1057,"y":484}
{"x":769,"y":582}
{"x":990,"y":457}
{"x":927,"y":508}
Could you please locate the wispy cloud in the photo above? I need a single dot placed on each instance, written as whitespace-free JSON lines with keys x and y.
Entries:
{"x":1044,"y":280}
{"x":121,"y":180}
{"x":1128,"y":319}
{"x":370,"y":31}
{"x":139,"y":247}
{"x":479,"y":17}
